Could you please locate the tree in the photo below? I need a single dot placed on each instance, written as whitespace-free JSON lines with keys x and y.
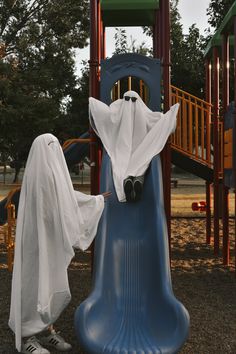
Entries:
{"x":191,"y":72}
{"x":187,"y":62}
{"x":31,"y":24}
{"x":37,"y":41}
{"x":176,"y":45}
{"x":217,"y":10}
{"x":122,"y":45}
{"x":75,"y":122}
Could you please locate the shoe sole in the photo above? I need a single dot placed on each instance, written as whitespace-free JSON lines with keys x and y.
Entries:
{"x":51,"y":346}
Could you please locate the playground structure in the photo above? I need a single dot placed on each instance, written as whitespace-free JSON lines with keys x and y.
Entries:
{"x":201,"y":145}
{"x":198,"y":144}
{"x":199,"y":141}
{"x":132,"y":307}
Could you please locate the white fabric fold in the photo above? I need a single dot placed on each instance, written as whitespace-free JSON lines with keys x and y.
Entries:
{"x":131,"y":133}
{"x":52,"y":219}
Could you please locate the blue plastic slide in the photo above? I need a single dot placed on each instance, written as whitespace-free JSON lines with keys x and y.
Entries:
{"x":73,"y":154}
{"x":132,"y":308}
{"x":77,"y":151}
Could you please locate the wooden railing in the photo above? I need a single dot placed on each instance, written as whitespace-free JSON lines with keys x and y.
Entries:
{"x":193,"y":134}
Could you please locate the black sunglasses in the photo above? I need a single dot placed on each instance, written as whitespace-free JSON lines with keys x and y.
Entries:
{"x":133,"y":99}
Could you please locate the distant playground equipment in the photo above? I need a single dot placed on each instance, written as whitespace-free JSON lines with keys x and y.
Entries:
{"x":199,"y":206}
{"x":132,"y":307}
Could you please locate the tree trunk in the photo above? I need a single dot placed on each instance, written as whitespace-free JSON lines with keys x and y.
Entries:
{"x":17,"y":171}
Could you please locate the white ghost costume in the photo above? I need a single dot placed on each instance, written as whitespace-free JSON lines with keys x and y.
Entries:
{"x":52,"y":219}
{"x":131,"y":133}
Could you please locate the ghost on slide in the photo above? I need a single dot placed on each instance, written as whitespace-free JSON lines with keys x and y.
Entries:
{"x":132,"y":135}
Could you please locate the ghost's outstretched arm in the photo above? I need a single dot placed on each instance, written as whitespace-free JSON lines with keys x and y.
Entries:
{"x":99,"y":114}
{"x":100,"y":120}
{"x":154,"y":142}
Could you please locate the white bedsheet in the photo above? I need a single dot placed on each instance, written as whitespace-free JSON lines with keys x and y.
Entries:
{"x":52,"y":219}
{"x":131,"y":133}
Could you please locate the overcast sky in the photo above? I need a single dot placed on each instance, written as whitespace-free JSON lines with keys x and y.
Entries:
{"x":191,"y":11}
{"x":194,"y":11}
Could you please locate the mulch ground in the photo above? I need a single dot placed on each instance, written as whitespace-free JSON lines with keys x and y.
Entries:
{"x":200,"y":281}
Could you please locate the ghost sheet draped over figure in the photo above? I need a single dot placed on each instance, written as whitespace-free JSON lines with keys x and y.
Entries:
{"x":52,"y":219}
{"x":131,"y":133}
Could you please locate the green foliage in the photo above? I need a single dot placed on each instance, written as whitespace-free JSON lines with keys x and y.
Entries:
{"x":37,"y":42}
{"x":75,"y":121}
{"x":122,"y":45}
{"x":187,"y":61}
{"x":186,"y":55}
{"x":217,"y":10}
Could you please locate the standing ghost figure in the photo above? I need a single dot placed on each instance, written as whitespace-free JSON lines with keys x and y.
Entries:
{"x":132,"y":135}
{"x":52,"y":219}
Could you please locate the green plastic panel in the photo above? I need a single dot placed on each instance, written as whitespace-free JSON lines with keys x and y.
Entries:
{"x":128,"y":12}
{"x":129,"y":4}
{"x":226,"y":26}
{"x":227,"y":23}
{"x":216,"y":41}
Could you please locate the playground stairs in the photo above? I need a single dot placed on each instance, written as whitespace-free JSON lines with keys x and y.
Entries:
{"x":192,"y":143}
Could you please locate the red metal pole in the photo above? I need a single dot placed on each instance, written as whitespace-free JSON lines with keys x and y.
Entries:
{"x":99,"y":34}
{"x":166,"y":52}
{"x":103,"y":47}
{"x":93,"y":92}
{"x":166,"y":153}
{"x":208,"y":185}
{"x":93,"y":62}
{"x":208,"y":213}
{"x":104,"y":43}
{"x":234,"y":139}
{"x":225,"y":102}
{"x":216,"y":148}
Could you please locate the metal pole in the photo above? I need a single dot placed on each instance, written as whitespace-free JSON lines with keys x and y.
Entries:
{"x":216,"y":148}
{"x":225,"y":215}
{"x":208,"y":185}
{"x":166,"y":153}
{"x":103,"y":36}
{"x":93,"y":92}
{"x":234,"y":138}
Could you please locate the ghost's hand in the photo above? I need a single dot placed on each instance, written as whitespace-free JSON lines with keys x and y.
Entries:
{"x":106,"y":195}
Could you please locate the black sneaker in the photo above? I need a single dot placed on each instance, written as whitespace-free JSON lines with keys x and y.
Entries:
{"x":138,"y":187}
{"x":129,"y":189}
